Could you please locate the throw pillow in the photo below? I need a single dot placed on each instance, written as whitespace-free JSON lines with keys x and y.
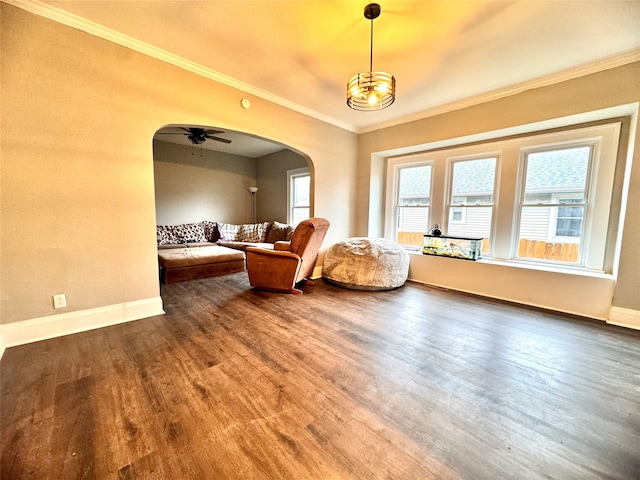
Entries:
{"x":253,"y":233}
{"x":211,"y":232}
{"x":228,"y":232}
{"x":164,"y":235}
{"x":278,"y":232}
{"x":189,"y":233}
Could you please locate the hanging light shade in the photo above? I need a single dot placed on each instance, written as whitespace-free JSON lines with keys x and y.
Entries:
{"x":371,"y":90}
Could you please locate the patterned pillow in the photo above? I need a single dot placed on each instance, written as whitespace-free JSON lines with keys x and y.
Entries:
{"x":253,"y":233}
{"x":164,"y":235}
{"x":211,"y":232}
{"x":228,"y":232}
{"x":189,"y":233}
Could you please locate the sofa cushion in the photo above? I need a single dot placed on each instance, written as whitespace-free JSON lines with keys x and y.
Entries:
{"x":198,"y":244}
{"x":279,"y":231}
{"x":186,"y":257}
{"x":243,"y":245}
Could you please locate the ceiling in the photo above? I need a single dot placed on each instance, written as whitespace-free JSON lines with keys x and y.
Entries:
{"x":444,"y":54}
{"x":241,"y":143}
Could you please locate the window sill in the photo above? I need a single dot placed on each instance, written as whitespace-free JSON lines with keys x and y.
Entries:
{"x":526,"y":266}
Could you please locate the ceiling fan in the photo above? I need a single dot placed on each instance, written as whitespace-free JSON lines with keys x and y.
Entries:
{"x":198,"y":136}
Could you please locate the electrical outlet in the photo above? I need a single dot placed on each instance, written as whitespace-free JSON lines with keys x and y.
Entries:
{"x":59,"y":301}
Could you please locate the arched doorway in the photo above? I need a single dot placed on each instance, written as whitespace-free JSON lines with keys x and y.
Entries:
{"x":204,"y":173}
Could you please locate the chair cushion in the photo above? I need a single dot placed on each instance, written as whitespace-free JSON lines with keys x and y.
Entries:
{"x":364,"y":263}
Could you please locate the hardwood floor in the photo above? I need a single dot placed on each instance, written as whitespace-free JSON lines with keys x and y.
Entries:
{"x":414,"y":383}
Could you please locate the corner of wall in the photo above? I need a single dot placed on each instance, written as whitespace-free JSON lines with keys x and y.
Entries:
{"x":624,"y":317}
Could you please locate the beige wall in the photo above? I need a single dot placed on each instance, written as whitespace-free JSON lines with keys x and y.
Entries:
{"x":192,"y":188}
{"x":272,"y":170}
{"x":591,"y":296}
{"x":77,"y":192}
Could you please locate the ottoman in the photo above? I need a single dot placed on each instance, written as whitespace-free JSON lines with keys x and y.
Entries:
{"x":366,"y":263}
{"x":200,"y":262}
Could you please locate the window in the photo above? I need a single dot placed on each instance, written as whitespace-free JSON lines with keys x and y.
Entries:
{"x":553,"y":206}
{"x":299,"y":195}
{"x":541,"y":198}
{"x":470,"y":201}
{"x":412,"y":204}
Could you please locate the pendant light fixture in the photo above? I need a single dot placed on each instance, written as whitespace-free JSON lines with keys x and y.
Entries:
{"x":371,"y":90}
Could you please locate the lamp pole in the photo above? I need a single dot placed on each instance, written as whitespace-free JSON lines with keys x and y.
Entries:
{"x":253,"y":191}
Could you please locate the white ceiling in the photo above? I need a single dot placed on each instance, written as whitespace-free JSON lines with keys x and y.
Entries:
{"x":442,"y":53}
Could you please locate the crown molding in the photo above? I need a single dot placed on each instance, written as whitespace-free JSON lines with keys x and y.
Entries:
{"x":38,"y":8}
{"x":559,"y":77}
{"x":92,"y":28}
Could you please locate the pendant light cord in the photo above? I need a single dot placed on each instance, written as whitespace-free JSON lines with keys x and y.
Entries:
{"x":371,"y":49}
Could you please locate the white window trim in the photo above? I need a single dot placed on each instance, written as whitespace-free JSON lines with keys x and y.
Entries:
{"x":509,"y":188}
{"x":291,"y":174}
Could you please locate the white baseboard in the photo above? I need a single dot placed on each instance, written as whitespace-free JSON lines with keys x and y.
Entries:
{"x":43,"y":328}
{"x":624,"y":317}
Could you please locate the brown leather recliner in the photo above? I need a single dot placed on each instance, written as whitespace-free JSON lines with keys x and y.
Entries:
{"x":290,"y":263}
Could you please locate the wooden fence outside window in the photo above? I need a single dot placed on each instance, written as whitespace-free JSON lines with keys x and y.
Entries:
{"x":558,"y":252}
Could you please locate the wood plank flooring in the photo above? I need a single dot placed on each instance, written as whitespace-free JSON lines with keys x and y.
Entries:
{"x":414,"y":383}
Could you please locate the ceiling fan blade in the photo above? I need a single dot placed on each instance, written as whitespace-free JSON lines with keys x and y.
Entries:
{"x":213,"y":132}
{"x":219,"y":139}
{"x":172,"y":133}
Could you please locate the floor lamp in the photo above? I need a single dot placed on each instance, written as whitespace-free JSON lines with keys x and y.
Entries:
{"x":253,"y":191}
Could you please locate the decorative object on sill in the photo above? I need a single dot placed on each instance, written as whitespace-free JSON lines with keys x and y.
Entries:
{"x":467,"y":248}
{"x":371,"y":90}
{"x":253,"y":191}
{"x":435,"y":230}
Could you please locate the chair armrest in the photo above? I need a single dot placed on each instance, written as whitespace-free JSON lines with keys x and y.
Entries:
{"x":272,"y":269}
{"x":282,"y":246}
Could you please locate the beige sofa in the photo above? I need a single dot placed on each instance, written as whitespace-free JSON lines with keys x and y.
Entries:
{"x":204,"y":249}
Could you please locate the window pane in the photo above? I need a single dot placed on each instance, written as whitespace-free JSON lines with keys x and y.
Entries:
{"x":476,"y":223}
{"x":545,"y":236}
{"x":299,"y":214}
{"x":556,"y":172}
{"x":413,"y":223}
{"x":301,"y":189}
{"x":414,"y":186}
{"x":473,"y":182}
